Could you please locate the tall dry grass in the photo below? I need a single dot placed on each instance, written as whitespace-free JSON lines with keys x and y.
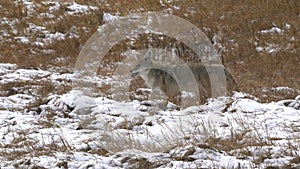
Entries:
{"x":235,"y":27}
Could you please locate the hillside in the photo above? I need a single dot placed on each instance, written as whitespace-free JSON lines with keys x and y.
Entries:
{"x":48,"y":122}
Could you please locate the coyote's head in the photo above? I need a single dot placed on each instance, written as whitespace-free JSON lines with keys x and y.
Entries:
{"x":143,"y":66}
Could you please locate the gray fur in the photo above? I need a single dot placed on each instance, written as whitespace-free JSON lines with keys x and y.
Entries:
{"x":158,"y":77}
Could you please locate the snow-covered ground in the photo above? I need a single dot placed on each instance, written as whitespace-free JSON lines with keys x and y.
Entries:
{"x":67,"y":129}
{"x":77,"y":131}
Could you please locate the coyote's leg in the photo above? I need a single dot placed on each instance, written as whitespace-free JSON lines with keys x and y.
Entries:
{"x":159,"y":99}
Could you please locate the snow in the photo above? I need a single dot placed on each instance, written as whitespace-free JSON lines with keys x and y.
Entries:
{"x":272,"y":30}
{"x":22,"y":39}
{"x":274,"y":47}
{"x":7,"y":68}
{"x":107,"y":17}
{"x":73,"y":130}
{"x":77,"y":8}
{"x":48,"y":35}
{"x":23,"y":75}
{"x":100,"y":116}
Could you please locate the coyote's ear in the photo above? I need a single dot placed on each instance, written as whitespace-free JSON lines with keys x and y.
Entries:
{"x":148,"y":55}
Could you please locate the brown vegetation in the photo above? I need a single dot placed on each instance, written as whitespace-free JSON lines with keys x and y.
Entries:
{"x":234,"y":27}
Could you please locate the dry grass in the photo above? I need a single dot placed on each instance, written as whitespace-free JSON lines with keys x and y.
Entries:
{"x":22,"y":145}
{"x":235,"y":25}
{"x":246,"y":140}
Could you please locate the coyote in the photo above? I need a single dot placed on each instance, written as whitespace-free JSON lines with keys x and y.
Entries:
{"x":161,"y":78}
